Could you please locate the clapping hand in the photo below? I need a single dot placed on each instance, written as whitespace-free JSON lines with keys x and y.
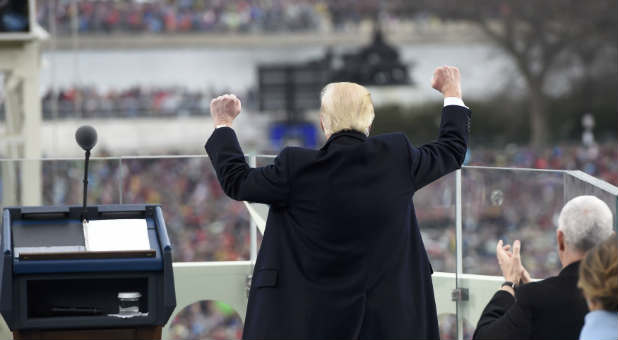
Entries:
{"x":510,"y":263}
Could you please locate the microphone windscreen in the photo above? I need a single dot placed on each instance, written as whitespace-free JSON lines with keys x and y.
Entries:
{"x":86,"y":137}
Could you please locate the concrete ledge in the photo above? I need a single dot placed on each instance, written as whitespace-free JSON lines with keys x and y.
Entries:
{"x":402,"y":34}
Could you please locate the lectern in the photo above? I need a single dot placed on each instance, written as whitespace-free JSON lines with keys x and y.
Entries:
{"x":57,"y":281}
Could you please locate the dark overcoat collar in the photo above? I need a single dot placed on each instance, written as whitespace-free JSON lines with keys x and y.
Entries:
{"x":570,"y":270}
{"x":345,"y":137}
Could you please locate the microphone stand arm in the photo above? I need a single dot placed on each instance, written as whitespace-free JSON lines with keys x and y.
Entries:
{"x":84,"y":208}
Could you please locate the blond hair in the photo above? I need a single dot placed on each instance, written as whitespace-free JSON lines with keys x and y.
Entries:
{"x":346,"y":106}
{"x":598,"y":274}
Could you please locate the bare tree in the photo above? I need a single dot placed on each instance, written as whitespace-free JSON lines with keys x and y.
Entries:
{"x":541,"y":36}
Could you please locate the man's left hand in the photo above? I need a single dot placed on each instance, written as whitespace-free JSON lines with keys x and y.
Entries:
{"x":510,"y":262}
{"x":224,"y":109}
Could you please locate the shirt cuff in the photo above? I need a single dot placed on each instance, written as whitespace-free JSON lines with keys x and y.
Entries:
{"x":454,"y":101}
{"x":221,"y":125}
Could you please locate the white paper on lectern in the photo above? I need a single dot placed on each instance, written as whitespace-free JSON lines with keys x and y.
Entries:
{"x":116,"y":235}
{"x":258,"y":213}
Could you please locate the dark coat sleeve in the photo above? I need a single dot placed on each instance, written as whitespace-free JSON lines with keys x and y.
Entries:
{"x":504,"y":317}
{"x":433,"y":160}
{"x":239,"y":181}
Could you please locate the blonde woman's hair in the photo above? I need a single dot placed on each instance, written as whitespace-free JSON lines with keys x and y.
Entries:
{"x":598,"y":274}
{"x":346,"y":106}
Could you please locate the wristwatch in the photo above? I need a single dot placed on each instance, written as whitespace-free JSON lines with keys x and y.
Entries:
{"x":508,"y":283}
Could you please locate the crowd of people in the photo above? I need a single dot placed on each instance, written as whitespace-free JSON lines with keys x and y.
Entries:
{"x":89,"y":102}
{"x":158,"y":16}
{"x":596,"y":160}
{"x":207,"y":320}
{"x":508,"y":204}
{"x":204,"y":225}
{"x":497,"y":204}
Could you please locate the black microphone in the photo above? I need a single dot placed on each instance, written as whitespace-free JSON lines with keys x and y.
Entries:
{"x":86,"y":137}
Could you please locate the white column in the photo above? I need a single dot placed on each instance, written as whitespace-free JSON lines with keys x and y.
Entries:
{"x":31,"y":129}
{"x":11,"y":139}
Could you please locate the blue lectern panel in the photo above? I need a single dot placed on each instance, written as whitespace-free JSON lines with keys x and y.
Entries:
{"x":48,"y":292}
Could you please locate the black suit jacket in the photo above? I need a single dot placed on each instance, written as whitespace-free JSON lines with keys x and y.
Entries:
{"x":342,"y":255}
{"x":550,"y":309}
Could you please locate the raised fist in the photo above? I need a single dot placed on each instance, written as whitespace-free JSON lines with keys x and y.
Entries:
{"x":224,"y":109}
{"x":446,"y":80}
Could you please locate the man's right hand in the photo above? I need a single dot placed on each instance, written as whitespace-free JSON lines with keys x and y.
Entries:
{"x":447,"y":80}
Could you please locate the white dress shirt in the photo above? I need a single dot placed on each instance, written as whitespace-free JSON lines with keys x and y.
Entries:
{"x":454,"y":101}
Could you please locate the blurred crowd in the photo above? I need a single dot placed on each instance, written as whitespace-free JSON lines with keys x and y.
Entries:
{"x":204,"y":225}
{"x":507,"y":204}
{"x":88,"y":102}
{"x":597,"y":160}
{"x":497,"y":204}
{"x":207,"y":320}
{"x":173,"y":16}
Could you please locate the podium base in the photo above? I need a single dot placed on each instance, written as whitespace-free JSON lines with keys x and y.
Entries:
{"x":145,"y":333}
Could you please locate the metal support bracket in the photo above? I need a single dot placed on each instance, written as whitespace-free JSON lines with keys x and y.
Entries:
{"x":460,"y":294}
{"x":248,"y":284}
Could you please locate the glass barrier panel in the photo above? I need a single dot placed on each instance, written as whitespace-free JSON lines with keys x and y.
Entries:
{"x":60,"y":182}
{"x":435,"y":211}
{"x":63,"y":181}
{"x":264,"y":160}
{"x":505,"y":204}
{"x":203,"y":223}
{"x":434,"y":206}
{"x":509,"y":205}
{"x":578,"y":183}
{"x":10,"y":182}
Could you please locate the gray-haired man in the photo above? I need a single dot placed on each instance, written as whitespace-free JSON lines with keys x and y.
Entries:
{"x":553,"y":308}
